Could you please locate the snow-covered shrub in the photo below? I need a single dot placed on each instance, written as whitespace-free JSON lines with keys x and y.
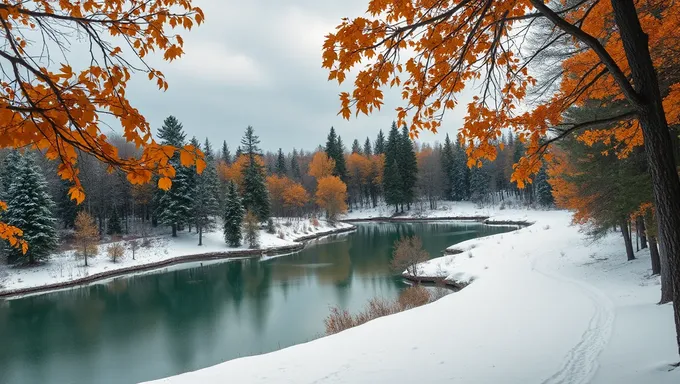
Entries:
{"x":270,"y":226}
{"x":282,"y":235}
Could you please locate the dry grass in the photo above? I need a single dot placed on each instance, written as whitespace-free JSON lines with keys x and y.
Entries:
{"x":339,"y":319}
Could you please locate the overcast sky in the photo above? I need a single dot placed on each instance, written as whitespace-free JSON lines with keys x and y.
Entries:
{"x":258,"y":62}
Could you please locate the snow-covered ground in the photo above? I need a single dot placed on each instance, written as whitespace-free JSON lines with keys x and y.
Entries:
{"x":546,"y":306}
{"x":66,"y":266}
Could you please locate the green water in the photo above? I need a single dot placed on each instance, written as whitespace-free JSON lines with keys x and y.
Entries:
{"x":159,"y":324}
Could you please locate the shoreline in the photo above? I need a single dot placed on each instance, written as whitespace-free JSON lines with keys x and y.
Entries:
{"x":300,"y":244}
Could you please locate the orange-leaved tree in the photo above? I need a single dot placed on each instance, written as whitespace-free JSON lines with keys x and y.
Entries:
{"x":431,"y":50}
{"x":294,"y":198}
{"x":331,"y":194}
{"x":321,"y":165}
{"x":54,"y":107}
{"x":277,"y":185}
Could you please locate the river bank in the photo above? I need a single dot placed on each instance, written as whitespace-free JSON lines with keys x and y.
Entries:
{"x":527,"y":283}
{"x":65,"y":270}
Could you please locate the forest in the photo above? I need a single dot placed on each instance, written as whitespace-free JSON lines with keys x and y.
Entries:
{"x":245,"y":189}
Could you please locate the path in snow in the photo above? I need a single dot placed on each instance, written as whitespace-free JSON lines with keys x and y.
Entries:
{"x":582,"y":361}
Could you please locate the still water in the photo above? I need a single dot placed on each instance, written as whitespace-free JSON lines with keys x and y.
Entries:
{"x":159,"y":324}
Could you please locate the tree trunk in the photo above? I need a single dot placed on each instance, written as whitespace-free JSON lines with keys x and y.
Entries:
{"x":627,"y":240}
{"x":657,"y":138}
{"x":640,"y":224}
{"x":666,"y":278}
{"x":174,"y":230}
{"x":200,"y":234}
{"x":654,"y":254}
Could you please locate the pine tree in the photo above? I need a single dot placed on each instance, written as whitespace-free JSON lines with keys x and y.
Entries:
{"x":173,"y":207}
{"x":8,"y":171}
{"x":408,"y":166}
{"x":295,"y":166}
{"x":543,"y":188}
{"x":460,"y":174}
{"x":67,"y":208}
{"x":30,"y":208}
{"x":392,"y":184}
{"x":479,"y":183}
{"x":255,"y":195}
{"x":356,"y":147}
{"x":448,"y":168}
{"x":233,"y":217}
{"x":379,"y":143}
{"x":281,"y":168}
{"x":368,"y":151}
{"x":206,"y":204}
{"x":114,"y":226}
{"x":251,"y":229}
{"x":335,"y":151}
{"x":226,"y":155}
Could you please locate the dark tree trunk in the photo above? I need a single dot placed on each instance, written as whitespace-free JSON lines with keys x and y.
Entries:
{"x":174,"y":230}
{"x":640,"y":224}
{"x":654,"y":255}
{"x":200,"y":234}
{"x":657,"y":138}
{"x":627,"y":240}
{"x":666,"y":279}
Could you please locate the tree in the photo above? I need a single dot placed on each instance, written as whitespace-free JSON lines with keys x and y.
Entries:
{"x":205,"y":198}
{"x":543,"y":189}
{"x":335,"y":151}
{"x":479,"y":183}
{"x":408,"y":253}
{"x":380,"y":143}
{"x":114,"y":226}
{"x":251,"y":229}
{"x":321,"y":166}
{"x":87,"y":235}
{"x":356,"y":147}
{"x":30,"y":208}
{"x":447,"y":161}
{"x":255,"y":196}
{"x":408,"y":167}
{"x":295,"y":166}
{"x":281,"y":168}
{"x":56,"y":108}
{"x":368,"y":151}
{"x":392,"y":185}
{"x":173,"y":206}
{"x":115,"y":251}
{"x":233,"y":217}
{"x":331,"y":195}
{"x":225,"y":154}
{"x":295,"y":197}
{"x":277,"y":185}
{"x":431,"y":177}
{"x":452,"y":41}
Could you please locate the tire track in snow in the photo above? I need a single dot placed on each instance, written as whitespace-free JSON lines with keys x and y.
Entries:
{"x":582,"y":361}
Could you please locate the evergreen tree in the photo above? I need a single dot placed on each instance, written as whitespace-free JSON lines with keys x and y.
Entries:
{"x":368,"y":151}
{"x":392,"y":184}
{"x":239,"y":152}
{"x":251,"y":229}
{"x":335,"y":151}
{"x":114,"y":226}
{"x":356,"y":147}
{"x":30,"y":207}
{"x":295,"y":166}
{"x":173,"y":207}
{"x":233,"y":217}
{"x":8,"y":171}
{"x":408,"y":167}
{"x":543,"y":188}
{"x":379,"y":143}
{"x":460,"y":174}
{"x":226,"y":155}
{"x":281,"y":168}
{"x":67,"y":208}
{"x":206,"y":204}
{"x":448,"y":168}
{"x":479,"y":183}
{"x":255,"y":195}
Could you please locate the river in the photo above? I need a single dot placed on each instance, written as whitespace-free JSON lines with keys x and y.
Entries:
{"x":170,"y":321}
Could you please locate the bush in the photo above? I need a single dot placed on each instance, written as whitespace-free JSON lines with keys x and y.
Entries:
{"x":338,"y":321}
{"x":115,"y":251}
{"x":281,"y":235}
{"x":315,"y":222}
{"x":270,"y":226}
{"x":414,"y":296}
{"x":251,"y":230}
{"x":408,"y":253}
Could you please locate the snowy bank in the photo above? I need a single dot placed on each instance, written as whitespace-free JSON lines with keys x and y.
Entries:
{"x":67,"y":270}
{"x":546,"y":306}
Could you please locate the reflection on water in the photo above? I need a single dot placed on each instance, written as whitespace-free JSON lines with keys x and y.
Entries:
{"x":155,"y":325}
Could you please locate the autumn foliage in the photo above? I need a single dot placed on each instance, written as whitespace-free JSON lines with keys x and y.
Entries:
{"x":331,"y":194}
{"x":287,"y":196}
{"x":321,"y":165}
{"x":57,"y":108}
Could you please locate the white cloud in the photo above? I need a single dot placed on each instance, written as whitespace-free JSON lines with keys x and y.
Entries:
{"x":211,"y":61}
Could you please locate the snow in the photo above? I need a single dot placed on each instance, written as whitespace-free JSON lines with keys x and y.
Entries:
{"x":546,"y":305}
{"x":66,"y":267}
